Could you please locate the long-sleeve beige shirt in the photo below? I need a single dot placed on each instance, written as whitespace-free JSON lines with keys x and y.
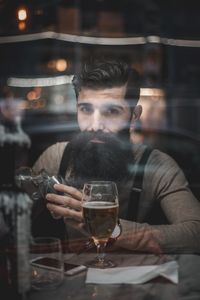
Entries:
{"x":165,"y":187}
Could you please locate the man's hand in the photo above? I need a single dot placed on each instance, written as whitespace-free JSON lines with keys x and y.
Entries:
{"x":68,"y":205}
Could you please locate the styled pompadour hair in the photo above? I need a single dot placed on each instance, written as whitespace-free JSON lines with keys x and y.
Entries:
{"x":101,"y":73}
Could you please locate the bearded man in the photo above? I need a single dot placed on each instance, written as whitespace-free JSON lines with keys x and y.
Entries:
{"x":165,"y":216}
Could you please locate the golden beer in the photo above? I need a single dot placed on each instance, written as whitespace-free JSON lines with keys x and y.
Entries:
{"x":100,"y":219}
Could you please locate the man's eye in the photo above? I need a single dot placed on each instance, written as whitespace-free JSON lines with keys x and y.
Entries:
{"x":85,"y":109}
{"x":112,"y":112}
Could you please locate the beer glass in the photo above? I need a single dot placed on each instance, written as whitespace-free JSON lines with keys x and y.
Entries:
{"x":100,"y":212}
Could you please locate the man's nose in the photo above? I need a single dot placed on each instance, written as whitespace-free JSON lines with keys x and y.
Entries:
{"x":97,"y":121}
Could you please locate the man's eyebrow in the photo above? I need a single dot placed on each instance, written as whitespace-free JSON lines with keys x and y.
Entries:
{"x":110,"y":105}
{"x":105,"y":106}
{"x":84,"y":103}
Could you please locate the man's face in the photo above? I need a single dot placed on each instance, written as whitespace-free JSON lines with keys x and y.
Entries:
{"x":103,"y":110}
{"x":102,"y":150}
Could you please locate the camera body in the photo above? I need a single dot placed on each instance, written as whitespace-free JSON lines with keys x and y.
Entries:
{"x":37,"y":186}
{"x":46,"y":185}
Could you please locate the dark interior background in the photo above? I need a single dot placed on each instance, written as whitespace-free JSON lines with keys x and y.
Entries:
{"x":170,"y":63}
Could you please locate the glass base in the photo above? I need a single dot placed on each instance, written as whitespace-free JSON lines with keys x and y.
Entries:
{"x":100,"y":264}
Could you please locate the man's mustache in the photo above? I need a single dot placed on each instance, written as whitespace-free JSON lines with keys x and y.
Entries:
{"x":99,"y":137}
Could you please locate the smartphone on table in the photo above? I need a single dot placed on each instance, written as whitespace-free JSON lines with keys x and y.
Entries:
{"x":51,"y":263}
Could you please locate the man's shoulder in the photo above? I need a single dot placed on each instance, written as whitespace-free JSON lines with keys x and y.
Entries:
{"x":159,"y":156}
{"x":156,"y":156}
{"x":59,"y":146}
{"x":50,"y":158}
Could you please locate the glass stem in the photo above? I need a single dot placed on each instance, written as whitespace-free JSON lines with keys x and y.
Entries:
{"x":101,"y":252}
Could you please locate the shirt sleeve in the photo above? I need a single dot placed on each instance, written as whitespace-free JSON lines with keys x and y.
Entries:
{"x":166,"y":183}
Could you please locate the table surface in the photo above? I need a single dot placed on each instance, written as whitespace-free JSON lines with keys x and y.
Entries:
{"x":74,"y":287}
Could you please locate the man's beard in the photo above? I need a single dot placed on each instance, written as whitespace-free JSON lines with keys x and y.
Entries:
{"x":100,"y":156}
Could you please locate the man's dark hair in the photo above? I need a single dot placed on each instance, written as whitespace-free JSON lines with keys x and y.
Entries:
{"x":108,"y":73}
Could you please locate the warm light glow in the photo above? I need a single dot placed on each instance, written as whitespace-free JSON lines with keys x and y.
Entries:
{"x":21,"y":25}
{"x":22,"y":14}
{"x":153,"y":115}
{"x":34,"y":94}
{"x":61,"y":65}
{"x":153,"y":104}
{"x":31,"y":95}
{"x":35,"y":273}
{"x":154,"y":92}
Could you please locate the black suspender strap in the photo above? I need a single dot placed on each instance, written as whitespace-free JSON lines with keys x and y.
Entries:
{"x":65,"y":160}
{"x":137,"y":186}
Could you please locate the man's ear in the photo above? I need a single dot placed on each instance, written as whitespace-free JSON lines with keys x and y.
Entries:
{"x":137,"y":113}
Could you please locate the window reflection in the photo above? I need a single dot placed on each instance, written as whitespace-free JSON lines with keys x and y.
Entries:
{"x":153,"y":115}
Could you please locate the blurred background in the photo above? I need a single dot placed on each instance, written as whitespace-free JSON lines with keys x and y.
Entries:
{"x":43,"y":42}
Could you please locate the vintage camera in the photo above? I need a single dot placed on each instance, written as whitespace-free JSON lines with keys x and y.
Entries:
{"x":37,"y":186}
{"x":46,"y":183}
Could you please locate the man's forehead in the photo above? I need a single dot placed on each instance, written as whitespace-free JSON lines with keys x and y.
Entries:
{"x":114,"y":94}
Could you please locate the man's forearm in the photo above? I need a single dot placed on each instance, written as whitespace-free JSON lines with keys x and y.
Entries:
{"x":175,"y":238}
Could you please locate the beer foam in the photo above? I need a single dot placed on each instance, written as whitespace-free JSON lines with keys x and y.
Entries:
{"x":99,"y":205}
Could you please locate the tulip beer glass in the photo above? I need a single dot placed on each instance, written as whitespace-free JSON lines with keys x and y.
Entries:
{"x":100,"y":212}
